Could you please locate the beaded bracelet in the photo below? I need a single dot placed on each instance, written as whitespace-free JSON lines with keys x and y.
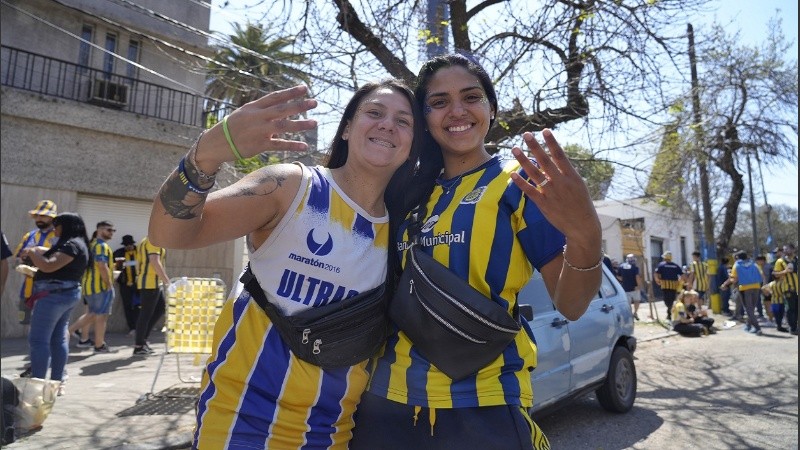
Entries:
{"x":185,"y":179}
{"x":204,"y":178}
{"x":580,"y":269}
{"x":230,"y":140}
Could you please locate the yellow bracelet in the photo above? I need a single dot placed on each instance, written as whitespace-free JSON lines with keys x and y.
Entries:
{"x":580,"y":269}
{"x":230,"y":140}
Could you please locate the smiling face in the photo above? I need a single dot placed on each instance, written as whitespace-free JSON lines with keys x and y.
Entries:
{"x":382,"y":129}
{"x":457,"y":111}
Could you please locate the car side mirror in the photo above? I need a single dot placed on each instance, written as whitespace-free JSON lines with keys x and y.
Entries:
{"x":526,"y":311}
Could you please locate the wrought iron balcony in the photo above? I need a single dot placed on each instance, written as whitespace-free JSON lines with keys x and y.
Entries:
{"x":50,"y":76}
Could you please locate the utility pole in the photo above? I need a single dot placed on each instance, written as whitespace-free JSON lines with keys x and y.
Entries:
{"x":756,"y":247}
{"x":709,"y":243}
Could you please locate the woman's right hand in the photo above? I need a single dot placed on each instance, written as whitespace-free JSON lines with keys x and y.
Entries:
{"x":254,"y":128}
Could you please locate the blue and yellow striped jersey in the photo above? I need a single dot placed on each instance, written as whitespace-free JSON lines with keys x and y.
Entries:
{"x":92,"y":281}
{"x":255,"y":393}
{"x":146,"y":276}
{"x":482,"y":227}
{"x":788,"y":282}
{"x":33,"y":238}
{"x":700,"y":271}
{"x":670,"y":274}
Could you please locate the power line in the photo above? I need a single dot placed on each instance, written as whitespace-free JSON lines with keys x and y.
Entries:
{"x":67,"y":32}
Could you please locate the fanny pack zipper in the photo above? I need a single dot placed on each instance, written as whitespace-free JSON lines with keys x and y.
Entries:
{"x":452,"y":299}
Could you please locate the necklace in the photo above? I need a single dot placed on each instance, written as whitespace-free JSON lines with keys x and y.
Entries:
{"x":448,"y":185}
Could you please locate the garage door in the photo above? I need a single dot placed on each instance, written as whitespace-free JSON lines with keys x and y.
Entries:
{"x":128,"y":216}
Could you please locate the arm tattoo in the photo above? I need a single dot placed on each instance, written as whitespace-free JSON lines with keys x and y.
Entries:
{"x":178,"y":200}
{"x":266,"y":184}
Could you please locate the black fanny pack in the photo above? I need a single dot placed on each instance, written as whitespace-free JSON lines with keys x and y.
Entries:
{"x":339,"y":334}
{"x":455,"y":327}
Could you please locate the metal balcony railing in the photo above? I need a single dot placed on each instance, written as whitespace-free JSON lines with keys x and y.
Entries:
{"x":50,"y":76}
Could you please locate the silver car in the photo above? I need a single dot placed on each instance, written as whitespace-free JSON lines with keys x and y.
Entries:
{"x":594,"y":353}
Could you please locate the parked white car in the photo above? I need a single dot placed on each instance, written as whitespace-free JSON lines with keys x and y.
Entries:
{"x":594,"y":353}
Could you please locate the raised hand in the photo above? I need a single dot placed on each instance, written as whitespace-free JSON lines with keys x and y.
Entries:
{"x":255,"y":128}
{"x":555,"y":186}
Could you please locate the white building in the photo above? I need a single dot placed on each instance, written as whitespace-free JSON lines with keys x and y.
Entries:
{"x":647,"y":230}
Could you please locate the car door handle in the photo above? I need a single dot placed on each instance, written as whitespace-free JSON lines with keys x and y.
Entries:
{"x":607,"y":308}
{"x":559,"y":322}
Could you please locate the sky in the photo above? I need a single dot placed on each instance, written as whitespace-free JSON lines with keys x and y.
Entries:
{"x":751,"y":17}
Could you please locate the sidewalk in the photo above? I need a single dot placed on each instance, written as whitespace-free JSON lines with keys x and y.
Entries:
{"x":106,"y":405}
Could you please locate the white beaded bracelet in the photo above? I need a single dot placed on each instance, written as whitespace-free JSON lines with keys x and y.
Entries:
{"x":205,"y":179}
{"x":580,"y":269}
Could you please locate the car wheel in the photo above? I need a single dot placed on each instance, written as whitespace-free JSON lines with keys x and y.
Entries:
{"x":618,"y":392}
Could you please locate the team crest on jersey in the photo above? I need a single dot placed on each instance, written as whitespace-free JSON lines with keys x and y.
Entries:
{"x":474,"y":196}
{"x":430,"y":223}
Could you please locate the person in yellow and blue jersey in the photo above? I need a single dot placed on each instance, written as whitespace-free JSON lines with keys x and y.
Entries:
{"x":749,"y":278}
{"x":668,"y":277}
{"x":125,"y":261}
{"x":151,"y":280}
{"x":785,"y":272}
{"x":698,"y":276}
{"x":41,"y":236}
{"x":315,"y":235}
{"x":491,"y":222}
{"x":98,"y":289}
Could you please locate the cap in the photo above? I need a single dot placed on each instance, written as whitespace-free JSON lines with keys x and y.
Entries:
{"x":667,"y":255}
{"x":128,"y":240}
{"x":44,"y":208}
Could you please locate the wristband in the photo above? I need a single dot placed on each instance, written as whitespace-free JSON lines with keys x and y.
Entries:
{"x":185,"y":179}
{"x":230,"y":140}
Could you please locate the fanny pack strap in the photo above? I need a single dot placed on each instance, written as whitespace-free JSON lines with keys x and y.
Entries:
{"x":252,"y":285}
{"x":415,"y":229}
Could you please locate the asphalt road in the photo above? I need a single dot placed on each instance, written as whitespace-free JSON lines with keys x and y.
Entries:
{"x":730,"y":390}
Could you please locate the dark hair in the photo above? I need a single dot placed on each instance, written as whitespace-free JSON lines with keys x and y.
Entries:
{"x":399,"y":184}
{"x":741,"y":255}
{"x":72,"y":226}
{"x":761,"y":258}
{"x":105,"y":223}
{"x":338,"y":151}
{"x":431,"y":159}
{"x":695,"y":253}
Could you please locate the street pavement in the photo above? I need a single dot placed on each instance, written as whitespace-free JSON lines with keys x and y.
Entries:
{"x":107,"y":402}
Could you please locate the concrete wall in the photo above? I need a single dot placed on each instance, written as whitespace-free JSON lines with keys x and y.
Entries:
{"x":60,"y":40}
{"x":61,"y":149}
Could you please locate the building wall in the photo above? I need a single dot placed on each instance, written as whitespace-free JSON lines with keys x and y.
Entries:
{"x":65,"y":150}
{"x":658,"y":223}
{"x":60,"y":38}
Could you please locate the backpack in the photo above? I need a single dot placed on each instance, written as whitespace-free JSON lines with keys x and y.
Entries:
{"x":747,"y":273}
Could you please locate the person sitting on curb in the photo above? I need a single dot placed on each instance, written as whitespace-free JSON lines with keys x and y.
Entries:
{"x":682,"y":322}
{"x":696,"y":310}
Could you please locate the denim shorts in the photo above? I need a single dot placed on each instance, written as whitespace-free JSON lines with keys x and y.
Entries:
{"x":100,"y":303}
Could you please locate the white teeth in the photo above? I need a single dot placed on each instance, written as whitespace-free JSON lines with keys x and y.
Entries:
{"x":382,"y":143}
{"x":461,"y":128}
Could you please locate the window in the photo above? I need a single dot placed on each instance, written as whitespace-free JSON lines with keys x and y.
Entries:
{"x":108,"y":57}
{"x":133,"y":56}
{"x":85,"y":49}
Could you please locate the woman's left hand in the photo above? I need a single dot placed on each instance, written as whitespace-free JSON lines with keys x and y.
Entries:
{"x":558,"y":189}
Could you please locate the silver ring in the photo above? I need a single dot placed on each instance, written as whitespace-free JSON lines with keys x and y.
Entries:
{"x":543,"y":183}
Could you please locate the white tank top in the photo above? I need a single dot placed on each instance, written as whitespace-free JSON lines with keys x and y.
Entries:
{"x":325,"y":248}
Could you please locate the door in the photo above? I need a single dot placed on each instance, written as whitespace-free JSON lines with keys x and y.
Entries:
{"x":589,"y":336}
{"x":551,"y":376}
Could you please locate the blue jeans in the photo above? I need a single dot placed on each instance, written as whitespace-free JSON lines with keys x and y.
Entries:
{"x":49,"y":321}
